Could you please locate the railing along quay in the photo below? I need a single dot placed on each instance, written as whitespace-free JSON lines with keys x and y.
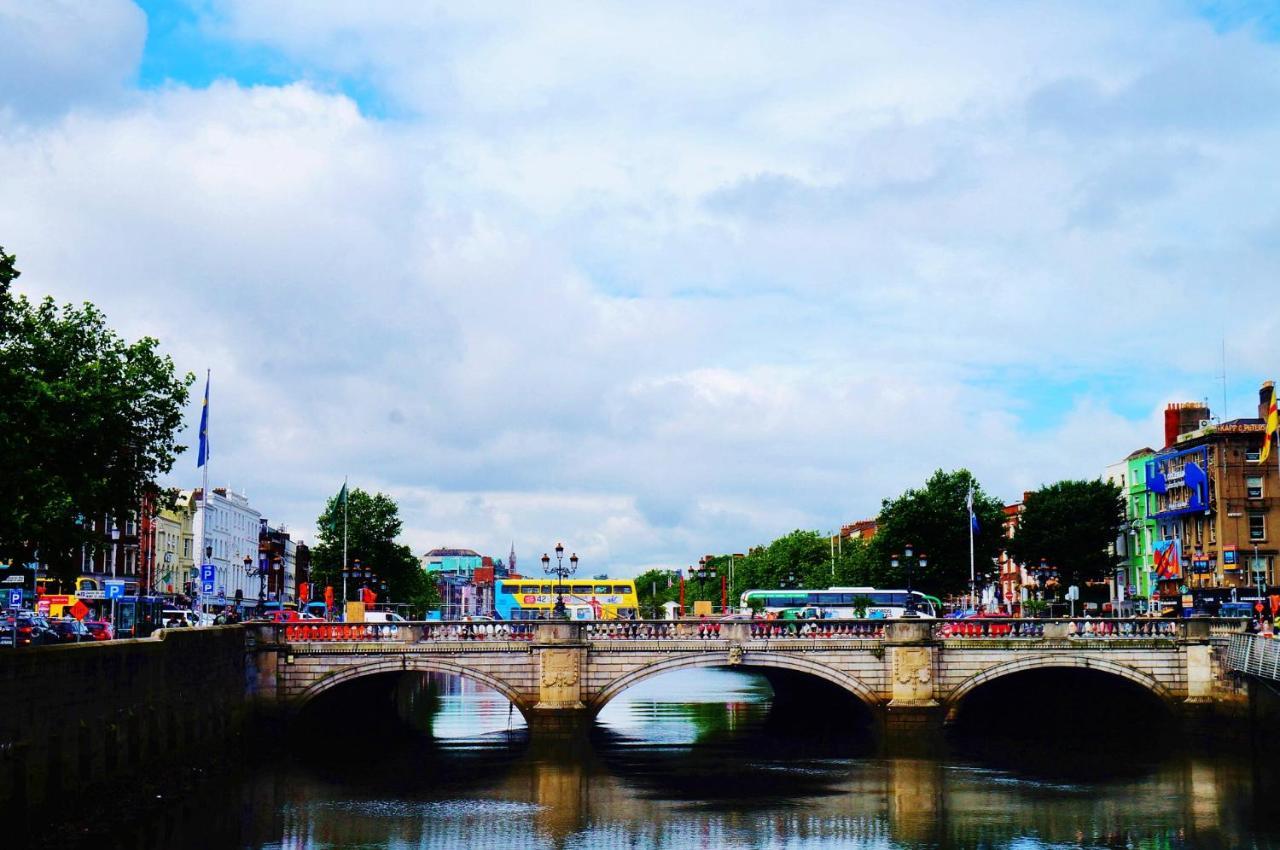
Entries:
{"x":607,"y":631}
{"x":1256,"y":655}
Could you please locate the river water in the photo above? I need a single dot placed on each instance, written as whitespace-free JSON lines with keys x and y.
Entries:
{"x":690,"y":759}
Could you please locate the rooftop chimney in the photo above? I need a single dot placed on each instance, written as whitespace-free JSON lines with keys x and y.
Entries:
{"x":1182,"y":418}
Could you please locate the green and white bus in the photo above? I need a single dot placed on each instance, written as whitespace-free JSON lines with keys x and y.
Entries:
{"x":839,"y":603}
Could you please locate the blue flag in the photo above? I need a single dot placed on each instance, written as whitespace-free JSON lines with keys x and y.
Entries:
{"x":973,"y":518}
{"x":203,"y":457}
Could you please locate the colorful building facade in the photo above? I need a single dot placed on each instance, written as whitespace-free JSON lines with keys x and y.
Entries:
{"x":1213,"y":506}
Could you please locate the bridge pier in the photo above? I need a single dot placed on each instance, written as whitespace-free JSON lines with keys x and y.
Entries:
{"x":559,"y":712}
{"x":913,"y":717}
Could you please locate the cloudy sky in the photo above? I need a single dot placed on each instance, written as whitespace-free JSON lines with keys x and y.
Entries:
{"x":655,"y":279}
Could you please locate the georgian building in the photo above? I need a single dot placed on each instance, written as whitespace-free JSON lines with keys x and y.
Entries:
{"x":1212,"y":505}
{"x":229,"y":527}
{"x":1011,"y":576}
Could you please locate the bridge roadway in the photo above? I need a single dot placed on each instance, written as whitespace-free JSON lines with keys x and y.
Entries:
{"x":909,"y":673}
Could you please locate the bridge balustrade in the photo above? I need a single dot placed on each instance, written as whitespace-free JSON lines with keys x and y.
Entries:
{"x":403,"y":632}
{"x":622,"y":630}
{"x":818,"y":629}
{"x":473,"y":631}
{"x":1086,"y":628}
{"x":1075,"y":629}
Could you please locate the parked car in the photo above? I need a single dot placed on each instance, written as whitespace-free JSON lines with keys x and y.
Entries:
{"x":317,"y":610}
{"x":284,"y":615}
{"x":393,"y":617}
{"x":101,"y":630}
{"x":32,"y":630}
{"x":71,"y":630}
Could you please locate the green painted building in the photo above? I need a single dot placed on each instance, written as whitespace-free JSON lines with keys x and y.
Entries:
{"x":1142,"y":530}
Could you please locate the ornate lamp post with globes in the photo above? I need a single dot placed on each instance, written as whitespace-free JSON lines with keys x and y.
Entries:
{"x":561,"y":572}
{"x":908,"y":555}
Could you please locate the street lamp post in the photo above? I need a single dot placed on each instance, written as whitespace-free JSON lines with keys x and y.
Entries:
{"x":1258,"y":572}
{"x":1044,"y":574}
{"x":561,"y":572}
{"x":908,"y":555}
{"x":704,"y":572}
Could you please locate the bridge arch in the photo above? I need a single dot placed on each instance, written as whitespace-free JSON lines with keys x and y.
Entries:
{"x":789,"y":661}
{"x":408,"y":664}
{"x":953,"y":701}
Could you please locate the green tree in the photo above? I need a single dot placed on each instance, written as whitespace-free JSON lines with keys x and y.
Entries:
{"x":87,"y":424}
{"x":935,"y":520}
{"x":652,"y":591}
{"x":1071,"y":525}
{"x":373,"y":523}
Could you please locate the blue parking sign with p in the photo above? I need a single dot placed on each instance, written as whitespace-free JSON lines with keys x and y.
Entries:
{"x":15,"y":598}
{"x":207,"y":573}
{"x":206,"y":587}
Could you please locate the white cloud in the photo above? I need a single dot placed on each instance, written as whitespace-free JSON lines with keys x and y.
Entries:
{"x":55,"y":54}
{"x":661,"y":282}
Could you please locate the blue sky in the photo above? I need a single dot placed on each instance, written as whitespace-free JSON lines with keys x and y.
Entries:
{"x":656,"y":280}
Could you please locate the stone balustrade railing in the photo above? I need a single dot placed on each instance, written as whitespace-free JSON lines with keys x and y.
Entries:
{"x":614,"y":631}
{"x":1085,"y":628}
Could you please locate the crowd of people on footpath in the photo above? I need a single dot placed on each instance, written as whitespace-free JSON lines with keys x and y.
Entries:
{"x":228,"y":616}
{"x":1267,"y":628}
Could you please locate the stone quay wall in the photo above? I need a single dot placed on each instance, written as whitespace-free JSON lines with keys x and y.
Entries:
{"x":90,"y":717}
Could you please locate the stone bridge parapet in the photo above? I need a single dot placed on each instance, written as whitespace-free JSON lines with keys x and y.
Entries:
{"x":905,"y":671}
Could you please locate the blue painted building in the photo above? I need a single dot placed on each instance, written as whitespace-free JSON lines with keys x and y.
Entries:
{"x":461,"y":562}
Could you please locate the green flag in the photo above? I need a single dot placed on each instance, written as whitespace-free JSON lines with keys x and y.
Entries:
{"x":341,"y":502}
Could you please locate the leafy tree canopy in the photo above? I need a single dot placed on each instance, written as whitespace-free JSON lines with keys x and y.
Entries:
{"x":373,"y":523}
{"x":87,"y":423}
{"x":1071,"y":525}
{"x":934,"y":519}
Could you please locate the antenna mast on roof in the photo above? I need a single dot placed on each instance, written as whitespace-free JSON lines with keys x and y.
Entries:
{"x":1223,"y":377}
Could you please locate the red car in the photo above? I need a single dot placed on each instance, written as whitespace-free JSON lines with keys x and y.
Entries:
{"x":284,"y":616}
{"x":99,"y":630}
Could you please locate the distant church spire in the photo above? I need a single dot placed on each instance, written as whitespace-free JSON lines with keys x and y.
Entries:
{"x":511,"y":559}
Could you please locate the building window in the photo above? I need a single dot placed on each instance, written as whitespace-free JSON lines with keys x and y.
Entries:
{"x":1253,"y":486}
{"x":1257,"y":527}
{"x":1253,"y":455}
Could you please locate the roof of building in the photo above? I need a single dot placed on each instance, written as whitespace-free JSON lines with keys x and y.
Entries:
{"x":455,"y":553}
{"x":1137,"y":453}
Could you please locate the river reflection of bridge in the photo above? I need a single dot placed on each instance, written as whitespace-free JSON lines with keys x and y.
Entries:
{"x":703,"y":769}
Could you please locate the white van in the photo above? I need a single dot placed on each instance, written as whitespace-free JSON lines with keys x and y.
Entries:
{"x":383,"y":617}
{"x":180,"y":618}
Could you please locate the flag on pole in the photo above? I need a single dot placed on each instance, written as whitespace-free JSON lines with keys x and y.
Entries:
{"x":342,"y":494}
{"x":1272,"y":420}
{"x":203,"y":456}
{"x":973,"y":518}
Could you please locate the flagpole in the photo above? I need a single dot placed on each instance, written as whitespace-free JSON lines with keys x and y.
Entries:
{"x":204,"y":498}
{"x":973,"y":588}
{"x":346,"y":497}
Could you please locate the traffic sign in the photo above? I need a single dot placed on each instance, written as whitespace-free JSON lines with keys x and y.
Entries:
{"x":15,"y":599}
{"x":79,"y":610}
{"x":1008,"y":596}
{"x":206,"y":587}
{"x":115,"y":590}
{"x":208,"y":572}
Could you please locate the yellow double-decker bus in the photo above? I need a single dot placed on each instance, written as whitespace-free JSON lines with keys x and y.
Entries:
{"x":593,"y":599}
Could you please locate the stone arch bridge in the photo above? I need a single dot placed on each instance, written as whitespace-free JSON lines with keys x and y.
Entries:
{"x":906,"y":672}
